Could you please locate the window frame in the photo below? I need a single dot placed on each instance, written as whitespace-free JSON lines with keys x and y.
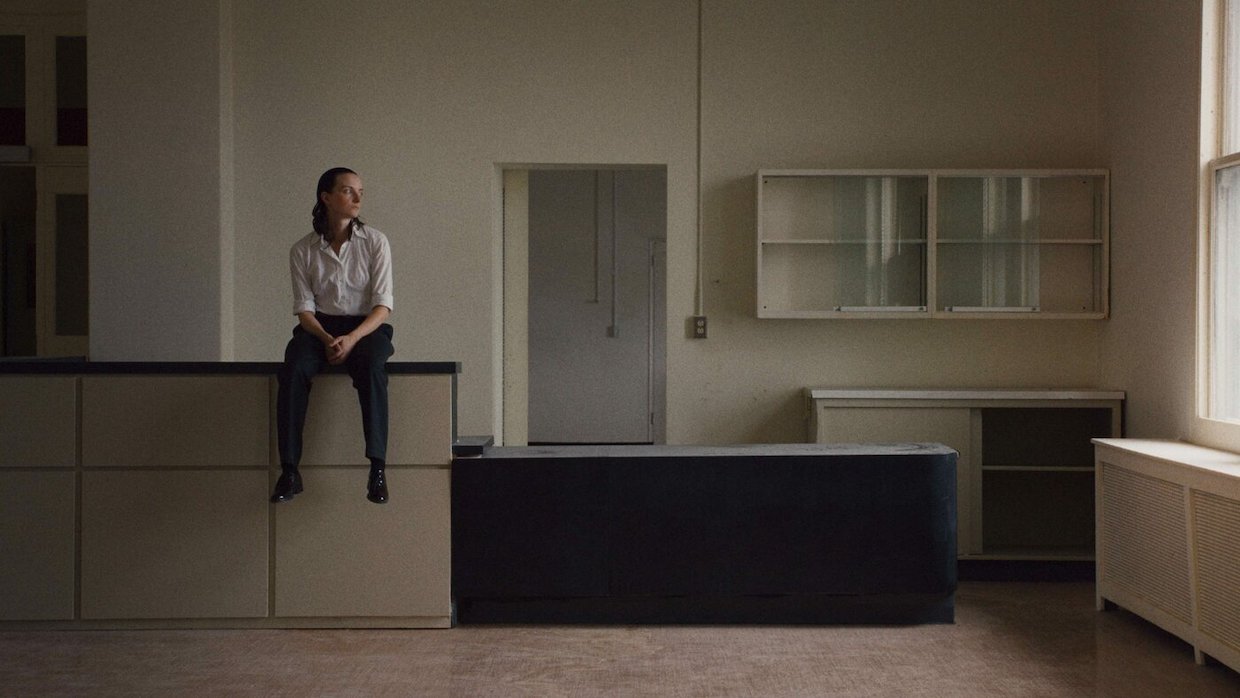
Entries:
{"x":1206,"y":428}
{"x":1207,"y":383}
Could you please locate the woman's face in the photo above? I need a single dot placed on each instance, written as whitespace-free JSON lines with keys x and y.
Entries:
{"x":345,"y":198}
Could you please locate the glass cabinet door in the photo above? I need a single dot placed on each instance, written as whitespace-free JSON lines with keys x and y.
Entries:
{"x":1020,"y":244}
{"x":927,"y":243}
{"x":835,"y":244}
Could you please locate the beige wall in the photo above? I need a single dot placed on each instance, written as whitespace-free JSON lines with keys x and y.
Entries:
{"x":158,"y":124}
{"x":876,"y":84}
{"x":1152,"y":63}
{"x":425,"y":99}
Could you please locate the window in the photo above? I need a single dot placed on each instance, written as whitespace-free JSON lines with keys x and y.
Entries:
{"x":1221,"y":251}
{"x":1223,"y":334}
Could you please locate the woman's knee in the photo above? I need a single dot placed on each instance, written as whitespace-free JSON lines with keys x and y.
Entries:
{"x":375,"y":348}
{"x":302,"y":359}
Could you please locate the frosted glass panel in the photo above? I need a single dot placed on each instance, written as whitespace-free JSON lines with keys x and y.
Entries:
{"x":1224,"y":402}
{"x":910,"y":244}
{"x":1051,"y":278}
{"x":1020,"y":208}
{"x":844,"y":208}
{"x":1021,"y":243}
{"x":827,"y":277}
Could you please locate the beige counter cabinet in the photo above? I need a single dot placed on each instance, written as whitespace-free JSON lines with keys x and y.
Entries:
{"x":37,"y":545}
{"x":338,"y":555}
{"x":135,"y":495}
{"x":174,"y":544}
{"x":175,"y":420}
{"x":420,"y":412}
{"x":38,"y":421}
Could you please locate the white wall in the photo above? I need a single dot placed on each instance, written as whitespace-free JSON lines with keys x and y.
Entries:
{"x":156,"y":181}
{"x":951,"y":83}
{"x":1152,"y":61}
{"x":426,"y":98}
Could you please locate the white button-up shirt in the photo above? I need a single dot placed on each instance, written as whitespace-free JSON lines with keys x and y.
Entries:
{"x":350,"y":283}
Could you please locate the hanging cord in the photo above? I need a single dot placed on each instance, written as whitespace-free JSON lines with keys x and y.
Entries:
{"x":614,"y":330}
{"x":699,"y":300}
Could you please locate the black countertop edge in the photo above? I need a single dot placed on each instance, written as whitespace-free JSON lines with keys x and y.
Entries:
{"x":649,"y":452}
{"x":227,"y":368}
{"x":471,"y":446}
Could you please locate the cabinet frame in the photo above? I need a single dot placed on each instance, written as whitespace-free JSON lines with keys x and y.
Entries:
{"x":770,"y":245}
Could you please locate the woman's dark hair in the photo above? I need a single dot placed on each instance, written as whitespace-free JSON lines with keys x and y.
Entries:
{"x":327,"y":182}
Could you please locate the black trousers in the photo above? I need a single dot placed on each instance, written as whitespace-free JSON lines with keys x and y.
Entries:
{"x":305,"y":356}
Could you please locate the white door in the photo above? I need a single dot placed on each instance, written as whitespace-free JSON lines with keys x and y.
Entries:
{"x":594,"y":310}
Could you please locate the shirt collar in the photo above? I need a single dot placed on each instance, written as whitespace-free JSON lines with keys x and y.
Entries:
{"x":359,"y":232}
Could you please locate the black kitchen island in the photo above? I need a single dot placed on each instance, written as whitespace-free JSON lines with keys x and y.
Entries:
{"x":796,"y":533}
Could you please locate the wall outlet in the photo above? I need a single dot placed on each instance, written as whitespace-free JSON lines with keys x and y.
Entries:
{"x":699,"y":326}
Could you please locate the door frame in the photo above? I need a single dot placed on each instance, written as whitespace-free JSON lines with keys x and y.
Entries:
{"x":510,"y":328}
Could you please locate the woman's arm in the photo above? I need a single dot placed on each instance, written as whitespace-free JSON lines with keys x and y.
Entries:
{"x":338,"y":349}
{"x":311,"y":324}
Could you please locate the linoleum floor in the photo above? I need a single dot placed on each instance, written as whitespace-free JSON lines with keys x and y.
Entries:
{"x":1009,"y":639}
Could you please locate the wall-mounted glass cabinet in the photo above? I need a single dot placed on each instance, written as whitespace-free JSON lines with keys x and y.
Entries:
{"x":943,"y":244}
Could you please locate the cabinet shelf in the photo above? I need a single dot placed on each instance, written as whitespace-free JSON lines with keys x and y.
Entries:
{"x":1014,"y":244}
{"x":850,"y":314}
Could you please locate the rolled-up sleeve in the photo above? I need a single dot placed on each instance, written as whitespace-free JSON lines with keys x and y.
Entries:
{"x":381,"y":274}
{"x":303,"y":296}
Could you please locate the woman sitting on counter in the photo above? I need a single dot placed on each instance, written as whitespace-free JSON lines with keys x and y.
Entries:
{"x":342,"y":296}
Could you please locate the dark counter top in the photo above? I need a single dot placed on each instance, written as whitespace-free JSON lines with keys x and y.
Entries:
{"x":81,"y":367}
{"x":744,"y":450}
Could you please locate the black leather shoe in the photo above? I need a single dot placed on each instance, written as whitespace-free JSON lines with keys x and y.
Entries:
{"x":376,"y":487}
{"x":287,"y":485}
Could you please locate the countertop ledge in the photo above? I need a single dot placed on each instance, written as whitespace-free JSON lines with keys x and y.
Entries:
{"x":648,"y":451}
{"x":80,"y":367}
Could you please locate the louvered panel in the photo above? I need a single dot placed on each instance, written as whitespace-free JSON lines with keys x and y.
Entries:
{"x":1144,"y":539}
{"x":1217,"y":539}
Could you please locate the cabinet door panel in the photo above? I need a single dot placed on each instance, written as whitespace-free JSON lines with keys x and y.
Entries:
{"x":420,"y":426}
{"x":37,"y":548}
{"x":174,"y":544}
{"x":38,"y":421}
{"x":339,"y":555}
{"x":175,"y":420}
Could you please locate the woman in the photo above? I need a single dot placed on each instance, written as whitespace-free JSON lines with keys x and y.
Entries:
{"x":342,"y":296}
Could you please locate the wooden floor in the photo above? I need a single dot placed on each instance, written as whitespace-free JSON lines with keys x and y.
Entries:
{"x":1009,"y":639}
